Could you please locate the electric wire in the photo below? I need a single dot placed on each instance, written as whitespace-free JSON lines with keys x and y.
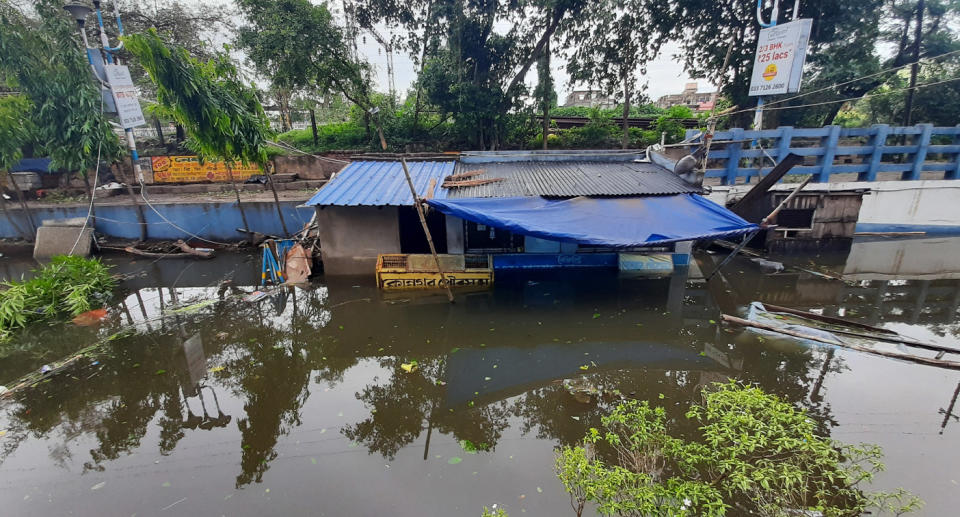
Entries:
{"x":848,"y":99}
{"x":93,"y":190}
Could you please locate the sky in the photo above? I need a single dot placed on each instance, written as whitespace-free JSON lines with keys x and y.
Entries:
{"x":664,"y":76}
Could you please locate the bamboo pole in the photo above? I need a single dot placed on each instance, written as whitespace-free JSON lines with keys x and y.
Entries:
{"x":426,"y":230}
{"x":929,"y":361}
{"x":792,"y":195}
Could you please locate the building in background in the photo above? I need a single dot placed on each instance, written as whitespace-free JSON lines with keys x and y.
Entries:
{"x":589,"y":99}
{"x":690,"y":97}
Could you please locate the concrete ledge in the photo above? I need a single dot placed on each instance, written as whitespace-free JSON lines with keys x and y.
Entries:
{"x":59,"y":240}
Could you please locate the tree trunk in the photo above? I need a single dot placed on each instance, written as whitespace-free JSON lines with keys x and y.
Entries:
{"x":159,"y":130}
{"x":23,"y":203}
{"x":181,"y":134}
{"x":914,"y":68}
{"x":13,"y":222}
{"x":233,"y":183}
{"x":93,"y":209}
{"x":313,"y":126}
{"x":626,"y":108}
{"x":276,"y":200}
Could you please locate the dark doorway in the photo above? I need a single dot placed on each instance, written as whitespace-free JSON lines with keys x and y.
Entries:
{"x":412,"y":239}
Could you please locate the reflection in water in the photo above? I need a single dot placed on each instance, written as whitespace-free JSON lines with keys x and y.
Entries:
{"x":250,"y":390}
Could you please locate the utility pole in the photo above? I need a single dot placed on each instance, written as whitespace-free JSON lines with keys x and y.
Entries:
{"x":915,"y":67}
{"x":79,"y":12}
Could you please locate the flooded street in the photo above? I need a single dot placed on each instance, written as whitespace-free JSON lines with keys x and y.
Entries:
{"x":197,"y":402}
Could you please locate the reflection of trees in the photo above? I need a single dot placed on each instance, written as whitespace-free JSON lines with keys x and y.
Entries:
{"x":266,"y":357}
{"x":411,"y":403}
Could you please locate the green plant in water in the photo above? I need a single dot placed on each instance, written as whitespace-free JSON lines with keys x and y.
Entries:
{"x":67,"y":286}
{"x":752,"y":454}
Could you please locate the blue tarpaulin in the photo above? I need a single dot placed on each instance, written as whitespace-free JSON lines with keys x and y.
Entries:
{"x":611,"y":222}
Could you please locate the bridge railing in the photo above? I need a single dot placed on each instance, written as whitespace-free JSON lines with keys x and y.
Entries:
{"x":880,"y":152}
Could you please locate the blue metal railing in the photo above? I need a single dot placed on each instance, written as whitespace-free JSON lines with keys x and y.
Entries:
{"x":866,"y":152}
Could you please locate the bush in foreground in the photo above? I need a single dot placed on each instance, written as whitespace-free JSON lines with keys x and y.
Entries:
{"x":67,"y":286}
{"x":751,"y":454}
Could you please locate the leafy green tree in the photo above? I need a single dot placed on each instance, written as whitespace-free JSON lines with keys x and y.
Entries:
{"x":610,"y":44}
{"x":474,"y":70}
{"x":41,"y":59}
{"x":297,"y":46}
{"x":222,"y":115}
{"x":752,"y":452}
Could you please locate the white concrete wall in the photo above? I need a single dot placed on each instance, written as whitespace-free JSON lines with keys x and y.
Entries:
{"x":930,"y":205}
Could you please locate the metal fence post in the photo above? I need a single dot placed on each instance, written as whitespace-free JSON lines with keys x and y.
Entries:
{"x":953,"y":170}
{"x":829,"y":144}
{"x":923,"y":142}
{"x":878,"y":141}
{"x":733,"y":156}
{"x":783,"y":145}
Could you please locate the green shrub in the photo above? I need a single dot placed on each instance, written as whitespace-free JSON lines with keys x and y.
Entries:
{"x":752,"y":453}
{"x":67,"y":286}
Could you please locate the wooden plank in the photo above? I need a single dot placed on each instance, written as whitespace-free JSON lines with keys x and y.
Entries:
{"x":768,"y":181}
{"x":905,"y":357}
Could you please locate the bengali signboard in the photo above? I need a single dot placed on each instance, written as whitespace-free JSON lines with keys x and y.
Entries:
{"x":188,"y":169}
{"x":124,"y":96}
{"x":781,"y":52}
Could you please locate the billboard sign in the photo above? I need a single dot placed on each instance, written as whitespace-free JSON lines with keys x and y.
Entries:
{"x":188,"y":169}
{"x":781,"y":52}
{"x":125,"y":96}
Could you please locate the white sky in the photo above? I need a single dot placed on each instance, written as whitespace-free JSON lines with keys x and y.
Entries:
{"x":665,"y":75}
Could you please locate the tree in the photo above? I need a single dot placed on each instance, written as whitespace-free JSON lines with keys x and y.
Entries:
{"x":222,"y":115}
{"x":472,"y":70}
{"x":609,"y":44}
{"x":42,"y":60}
{"x":545,"y":94}
{"x":297,"y":46}
{"x":751,"y":452}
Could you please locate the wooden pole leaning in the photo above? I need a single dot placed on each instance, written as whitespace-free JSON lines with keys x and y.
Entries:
{"x":417,"y":203}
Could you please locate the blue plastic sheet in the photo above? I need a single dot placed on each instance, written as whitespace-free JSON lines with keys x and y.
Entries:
{"x":609,"y":222}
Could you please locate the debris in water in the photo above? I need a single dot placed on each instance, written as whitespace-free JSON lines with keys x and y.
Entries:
{"x":255,"y":296}
{"x":90,"y":318}
{"x":99,"y":485}
{"x":768,"y":266}
{"x":409,"y":367}
{"x":45,"y":369}
{"x":454,"y":460}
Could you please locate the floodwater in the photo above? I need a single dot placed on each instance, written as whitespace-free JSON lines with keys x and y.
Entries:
{"x":200,"y":403}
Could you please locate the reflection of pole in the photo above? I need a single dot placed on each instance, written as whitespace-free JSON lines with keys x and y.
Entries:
{"x":949,"y":411}
{"x":815,"y":392}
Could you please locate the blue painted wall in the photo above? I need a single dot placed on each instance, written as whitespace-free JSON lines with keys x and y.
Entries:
{"x":211,"y":220}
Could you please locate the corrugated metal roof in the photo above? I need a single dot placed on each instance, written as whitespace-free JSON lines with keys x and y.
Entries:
{"x":366,"y":183}
{"x":571,"y":179}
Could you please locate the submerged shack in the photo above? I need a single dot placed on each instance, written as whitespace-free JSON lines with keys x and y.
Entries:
{"x":523,"y":210}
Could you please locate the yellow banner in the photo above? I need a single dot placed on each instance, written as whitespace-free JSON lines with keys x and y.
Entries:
{"x":188,"y":169}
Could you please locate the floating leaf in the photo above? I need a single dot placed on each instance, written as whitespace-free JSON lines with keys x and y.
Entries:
{"x":539,"y":490}
{"x":161,"y":372}
{"x":713,"y":322}
{"x":409,"y":367}
{"x":340,"y":327}
{"x":488,"y":378}
{"x":584,"y":367}
{"x":596,"y":315}
{"x":166,"y":484}
{"x":313,"y":460}
{"x":454,"y":350}
{"x":454,"y":460}
{"x":216,"y":369}
{"x":99,"y":485}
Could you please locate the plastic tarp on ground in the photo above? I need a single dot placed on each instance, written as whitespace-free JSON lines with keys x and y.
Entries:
{"x":610,"y":222}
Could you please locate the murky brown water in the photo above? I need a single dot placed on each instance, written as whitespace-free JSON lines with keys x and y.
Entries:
{"x":297,"y":405}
